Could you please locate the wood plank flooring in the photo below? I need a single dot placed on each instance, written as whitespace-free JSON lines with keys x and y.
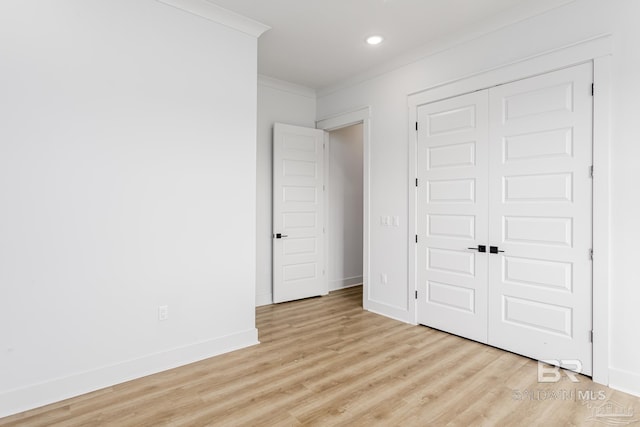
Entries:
{"x":325,"y":362}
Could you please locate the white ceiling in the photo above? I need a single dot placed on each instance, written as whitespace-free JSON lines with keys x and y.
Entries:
{"x":317,"y":43}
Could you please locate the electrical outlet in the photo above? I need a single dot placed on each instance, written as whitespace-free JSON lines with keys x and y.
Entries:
{"x":163,"y":312}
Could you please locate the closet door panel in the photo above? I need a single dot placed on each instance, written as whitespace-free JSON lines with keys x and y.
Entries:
{"x":452,"y":215}
{"x":540,"y":210}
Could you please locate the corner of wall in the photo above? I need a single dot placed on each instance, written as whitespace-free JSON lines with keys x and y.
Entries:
{"x":283,"y":102}
{"x":37,"y":395}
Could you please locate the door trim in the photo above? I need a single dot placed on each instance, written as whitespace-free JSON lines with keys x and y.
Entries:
{"x":597,"y":50}
{"x":360,"y":115}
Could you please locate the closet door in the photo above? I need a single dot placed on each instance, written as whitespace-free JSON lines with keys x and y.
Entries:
{"x":452,"y":215}
{"x":540,"y":210}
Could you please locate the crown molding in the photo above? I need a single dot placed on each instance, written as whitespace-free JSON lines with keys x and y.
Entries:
{"x":285,"y":86}
{"x":219,"y":15}
{"x":526,"y":11}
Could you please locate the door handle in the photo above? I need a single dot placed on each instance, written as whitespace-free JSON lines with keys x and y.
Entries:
{"x":480,"y":248}
{"x":280,"y":236}
{"x":494,"y":249}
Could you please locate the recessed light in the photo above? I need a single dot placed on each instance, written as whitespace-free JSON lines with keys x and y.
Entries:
{"x":374,"y":40}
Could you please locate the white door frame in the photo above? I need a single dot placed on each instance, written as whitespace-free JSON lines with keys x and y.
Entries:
{"x":360,"y":115}
{"x":597,"y":50}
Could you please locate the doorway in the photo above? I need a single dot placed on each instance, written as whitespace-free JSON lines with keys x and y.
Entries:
{"x":304,"y":196}
{"x":344,"y":206}
{"x":359,"y":117}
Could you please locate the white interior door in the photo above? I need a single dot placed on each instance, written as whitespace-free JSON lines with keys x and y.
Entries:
{"x":525,"y":193}
{"x":452,"y":219}
{"x":540,"y":216}
{"x":298,"y":213}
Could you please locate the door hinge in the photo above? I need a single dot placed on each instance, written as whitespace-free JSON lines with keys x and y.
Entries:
{"x":416,"y":126}
{"x":416,"y":182}
{"x":591,"y":254}
{"x":593,"y":89}
{"x":324,"y":188}
{"x":416,"y":294}
{"x":591,"y":171}
{"x":416,"y":238}
{"x":590,"y":336}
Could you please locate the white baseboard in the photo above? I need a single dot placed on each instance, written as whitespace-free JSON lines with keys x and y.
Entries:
{"x":334,"y":285}
{"x":628,"y":382}
{"x":264,"y":299}
{"x":37,"y":395}
{"x":386,"y":310}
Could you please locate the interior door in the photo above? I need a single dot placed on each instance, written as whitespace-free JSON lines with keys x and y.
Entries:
{"x":298,"y":213}
{"x":540,"y":216}
{"x":452,"y":218}
{"x":524,"y":194}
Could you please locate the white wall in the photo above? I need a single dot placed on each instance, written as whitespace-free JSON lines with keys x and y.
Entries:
{"x":127,"y":181}
{"x":387,"y":96}
{"x":345,"y":196}
{"x":280,"y":102}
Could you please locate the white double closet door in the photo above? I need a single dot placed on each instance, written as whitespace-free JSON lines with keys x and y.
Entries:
{"x":508,"y":169}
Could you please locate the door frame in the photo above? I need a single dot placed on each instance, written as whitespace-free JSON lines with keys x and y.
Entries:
{"x":598,"y":51}
{"x":335,"y":122}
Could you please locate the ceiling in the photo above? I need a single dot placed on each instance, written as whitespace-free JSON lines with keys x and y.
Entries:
{"x":318,"y":43}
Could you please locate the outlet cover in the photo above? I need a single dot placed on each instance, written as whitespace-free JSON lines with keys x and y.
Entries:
{"x":163,"y":312}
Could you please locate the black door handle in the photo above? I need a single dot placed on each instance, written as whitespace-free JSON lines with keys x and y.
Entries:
{"x":480,"y":248}
{"x":280,"y":236}
{"x":494,"y":249}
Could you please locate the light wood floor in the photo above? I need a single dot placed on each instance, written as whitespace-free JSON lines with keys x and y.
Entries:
{"x":325,"y":361}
